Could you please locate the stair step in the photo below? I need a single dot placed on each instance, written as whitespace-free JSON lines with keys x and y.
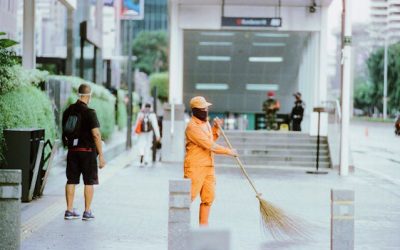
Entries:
{"x":280,"y":152}
{"x":260,"y":159}
{"x":272,"y":141}
{"x":274,"y":164}
{"x":269,"y":134}
{"x":270,"y":146}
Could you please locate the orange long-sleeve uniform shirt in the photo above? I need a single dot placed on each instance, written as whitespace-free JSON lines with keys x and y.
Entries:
{"x":201,"y":145}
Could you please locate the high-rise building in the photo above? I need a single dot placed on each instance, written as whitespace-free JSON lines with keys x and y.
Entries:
{"x":385,"y":21}
{"x":155,"y":18}
{"x":394,"y":20}
{"x":379,"y":12}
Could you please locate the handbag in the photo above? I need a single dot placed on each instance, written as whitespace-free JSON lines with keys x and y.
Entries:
{"x":138,"y":128}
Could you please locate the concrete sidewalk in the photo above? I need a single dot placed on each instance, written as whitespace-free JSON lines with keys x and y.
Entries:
{"x":131,"y":208}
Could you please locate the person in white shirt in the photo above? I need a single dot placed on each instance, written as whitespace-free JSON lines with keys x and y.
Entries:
{"x":146,"y":125}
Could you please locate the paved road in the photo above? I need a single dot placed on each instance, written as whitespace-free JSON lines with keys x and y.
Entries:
{"x":376,"y":149}
{"x":131,"y":206}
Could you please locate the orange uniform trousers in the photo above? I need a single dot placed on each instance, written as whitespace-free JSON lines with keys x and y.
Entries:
{"x":203,"y":183}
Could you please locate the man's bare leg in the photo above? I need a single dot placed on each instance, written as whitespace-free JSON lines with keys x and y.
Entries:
{"x":69,"y":196}
{"x":89,"y":191}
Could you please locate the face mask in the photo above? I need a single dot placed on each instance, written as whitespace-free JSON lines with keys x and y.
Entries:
{"x":89,"y":99}
{"x":200,"y":114}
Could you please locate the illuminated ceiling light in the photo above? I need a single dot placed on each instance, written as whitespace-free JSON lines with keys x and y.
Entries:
{"x":272,"y":35}
{"x":214,"y":58}
{"x":217,"y":33}
{"x":269,"y":44}
{"x":212,"y":86}
{"x":215,"y":43}
{"x":265,"y":59}
{"x":262,"y":87}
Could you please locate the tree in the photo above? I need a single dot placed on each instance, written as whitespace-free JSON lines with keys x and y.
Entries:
{"x":160,"y":80}
{"x":363,"y":95}
{"x":9,"y":73}
{"x":375,"y":65}
{"x":151,"y":48}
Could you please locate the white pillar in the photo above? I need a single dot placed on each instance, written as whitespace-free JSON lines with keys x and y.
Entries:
{"x":315,"y":67}
{"x":99,"y":51}
{"x":28,"y":45}
{"x":175,"y":55}
{"x":70,"y":60}
{"x":323,"y":57}
{"x":345,"y":124}
{"x":173,"y":122}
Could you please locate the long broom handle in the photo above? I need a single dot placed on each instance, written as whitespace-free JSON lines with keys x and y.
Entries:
{"x":239,"y":161}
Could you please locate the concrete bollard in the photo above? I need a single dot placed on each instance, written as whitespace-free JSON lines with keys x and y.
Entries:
{"x":10,"y":209}
{"x":210,"y":239}
{"x":179,"y":214}
{"x":342,"y":219}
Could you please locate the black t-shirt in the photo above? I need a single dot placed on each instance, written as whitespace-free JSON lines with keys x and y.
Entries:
{"x":89,"y":121}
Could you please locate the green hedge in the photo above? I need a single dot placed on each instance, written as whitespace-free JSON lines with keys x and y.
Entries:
{"x":160,"y":80}
{"x":17,"y":77}
{"x":22,"y":104}
{"x":102,"y":101}
{"x":26,"y":107}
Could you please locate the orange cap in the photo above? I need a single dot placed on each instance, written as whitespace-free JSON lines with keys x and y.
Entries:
{"x":199,"y":102}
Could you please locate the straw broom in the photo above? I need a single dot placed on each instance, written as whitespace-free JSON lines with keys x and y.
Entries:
{"x":273,"y":219}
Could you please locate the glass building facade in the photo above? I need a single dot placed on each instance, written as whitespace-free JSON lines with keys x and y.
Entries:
{"x":155,"y":18}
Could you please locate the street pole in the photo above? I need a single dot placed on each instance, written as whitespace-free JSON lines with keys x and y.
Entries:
{"x":28,"y":39}
{"x":130,"y":87}
{"x":346,"y":82}
{"x":385,"y":75}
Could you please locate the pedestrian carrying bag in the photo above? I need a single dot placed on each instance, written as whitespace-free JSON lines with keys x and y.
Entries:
{"x":146,"y":124}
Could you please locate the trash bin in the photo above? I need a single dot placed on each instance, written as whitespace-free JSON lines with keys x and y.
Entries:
{"x":21,"y":151}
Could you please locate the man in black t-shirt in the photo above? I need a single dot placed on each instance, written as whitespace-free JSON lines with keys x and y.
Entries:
{"x":84,"y":145}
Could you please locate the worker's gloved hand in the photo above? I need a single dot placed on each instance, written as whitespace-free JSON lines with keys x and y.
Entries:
{"x":218,"y":122}
{"x":233,"y":152}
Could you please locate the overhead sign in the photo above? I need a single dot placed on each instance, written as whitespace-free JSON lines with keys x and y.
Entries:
{"x":251,"y":22}
{"x":132,"y":9}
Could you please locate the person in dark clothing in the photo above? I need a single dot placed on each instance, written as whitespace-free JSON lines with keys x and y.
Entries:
{"x":297,"y":112}
{"x":271,"y":107}
{"x":81,"y":134}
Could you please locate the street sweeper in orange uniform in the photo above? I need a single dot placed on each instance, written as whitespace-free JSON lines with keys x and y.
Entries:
{"x":199,"y":157}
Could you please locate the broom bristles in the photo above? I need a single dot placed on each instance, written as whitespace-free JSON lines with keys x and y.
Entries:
{"x":279,"y":224}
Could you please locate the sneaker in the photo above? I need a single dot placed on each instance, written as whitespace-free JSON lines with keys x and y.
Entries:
{"x":87,"y":215}
{"x":71,"y":215}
